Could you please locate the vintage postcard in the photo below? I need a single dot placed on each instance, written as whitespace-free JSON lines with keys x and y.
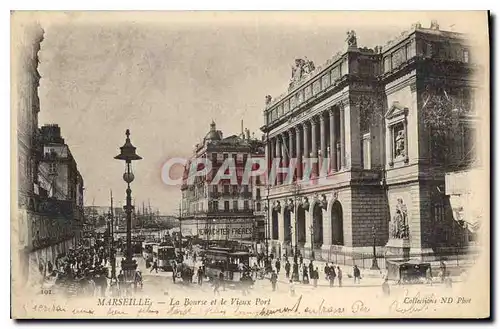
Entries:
{"x":250,"y":165}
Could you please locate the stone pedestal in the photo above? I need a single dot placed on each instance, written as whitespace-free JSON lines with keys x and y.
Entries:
{"x":398,"y":249}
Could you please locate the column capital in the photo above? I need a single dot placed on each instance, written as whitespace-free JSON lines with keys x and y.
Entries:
{"x":343,"y":103}
{"x":321,"y":117}
{"x":331,"y":111}
{"x":305,"y":126}
{"x":314,"y":120}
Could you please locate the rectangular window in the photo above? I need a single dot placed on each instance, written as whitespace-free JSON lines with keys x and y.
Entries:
{"x":216,"y":205}
{"x":245,"y":205}
{"x":226,"y":189}
{"x":257,"y":180}
{"x":258,"y":206}
{"x":387,"y":64}
{"x":438,"y":212}
{"x":466,"y":56}
{"x":257,"y":194}
{"x":366,"y":152}
{"x":316,"y":87}
{"x":53,"y":168}
{"x":325,"y":83}
{"x":235,"y":205}
{"x":226,"y":205}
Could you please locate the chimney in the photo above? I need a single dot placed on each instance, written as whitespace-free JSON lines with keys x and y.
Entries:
{"x":242,"y":133}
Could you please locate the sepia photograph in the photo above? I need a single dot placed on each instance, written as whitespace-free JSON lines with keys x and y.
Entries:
{"x":255,"y":165}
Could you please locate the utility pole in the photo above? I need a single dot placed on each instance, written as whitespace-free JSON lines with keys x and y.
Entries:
{"x":112,"y":231}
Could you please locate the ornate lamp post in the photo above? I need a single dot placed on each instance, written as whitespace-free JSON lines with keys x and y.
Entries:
{"x":267,"y":231}
{"x":127,"y":154}
{"x":374,"y":260}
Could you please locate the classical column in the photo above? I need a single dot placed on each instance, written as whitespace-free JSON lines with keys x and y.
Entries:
{"x":268,"y":153}
{"x":281,"y":223}
{"x":314,"y":134}
{"x":285,"y":151}
{"x":322,"y":130}
{"x":314,"y":144}
{"x":305,"y":127}
{"x":298,"y":152}
{"x":272,"y":145}
{"x":342,"y":137}
{"x":391,"y":146}
{"x":291,"y":144}
{"x":405,"y":126}
{"x":278,"y":155}
{"x":333,"y":140}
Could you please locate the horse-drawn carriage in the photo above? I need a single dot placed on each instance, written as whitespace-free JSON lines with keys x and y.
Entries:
{"x":183,"y":272}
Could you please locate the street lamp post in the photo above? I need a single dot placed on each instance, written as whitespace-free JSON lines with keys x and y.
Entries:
{"x":374,"y":260}
{"x":127,"y":154}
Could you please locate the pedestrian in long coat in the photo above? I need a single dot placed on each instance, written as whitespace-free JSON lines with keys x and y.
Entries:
{"x":287,"y":269}
{"x":357,"y":274}
{"x":315,"y":276}
{"x":339,"y":275}
{"x":274,"y":280}
{"x":305,"y":276}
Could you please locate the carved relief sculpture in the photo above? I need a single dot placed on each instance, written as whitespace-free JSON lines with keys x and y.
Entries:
{"x":268,"y":99}
{"x":398,"y":225}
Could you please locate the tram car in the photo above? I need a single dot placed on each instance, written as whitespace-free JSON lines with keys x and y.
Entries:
{"x":164,"y":256}
{"x":232,"y":263}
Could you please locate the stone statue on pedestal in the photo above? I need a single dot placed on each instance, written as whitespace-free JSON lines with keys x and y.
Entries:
{"x":400,"y":144}
{"x":398,"y":226}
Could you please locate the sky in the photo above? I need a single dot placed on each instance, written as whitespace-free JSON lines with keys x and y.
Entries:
{"x":166,"y":76}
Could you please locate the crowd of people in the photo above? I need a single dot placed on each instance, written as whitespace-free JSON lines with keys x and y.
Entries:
{"x":86,"y":272}
{"x":297,"y":271}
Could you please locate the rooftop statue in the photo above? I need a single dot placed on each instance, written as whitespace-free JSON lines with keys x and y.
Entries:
{"x":302,"y":67}
{"x":351,"y":39}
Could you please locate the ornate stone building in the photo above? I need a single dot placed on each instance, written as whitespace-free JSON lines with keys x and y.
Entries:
{"x":223,"y":212}
{"x":386,"y":124}
{"x":46,"y":223}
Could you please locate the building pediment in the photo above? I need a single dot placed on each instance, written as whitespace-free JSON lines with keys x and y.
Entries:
{"x":396,"y":110}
